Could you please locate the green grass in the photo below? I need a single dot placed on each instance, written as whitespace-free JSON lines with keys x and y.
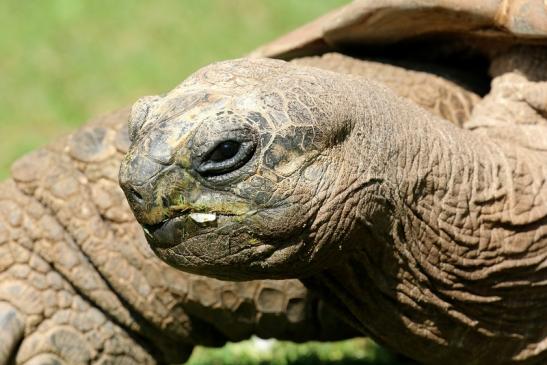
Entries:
{"x":64,"y":61}
{"x":359,"y":351}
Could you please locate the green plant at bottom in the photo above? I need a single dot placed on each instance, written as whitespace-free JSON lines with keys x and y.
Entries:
{"x":360,"y":351}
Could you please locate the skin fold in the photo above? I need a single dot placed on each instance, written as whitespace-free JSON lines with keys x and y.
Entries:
{"x":428,"y":236}
{"x":79,"y":284}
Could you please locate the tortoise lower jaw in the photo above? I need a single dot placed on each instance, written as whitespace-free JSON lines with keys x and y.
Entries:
{"x":174,"y":231}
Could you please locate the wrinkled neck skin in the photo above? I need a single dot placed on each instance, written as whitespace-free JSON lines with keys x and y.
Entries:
{"x":445,"y":259}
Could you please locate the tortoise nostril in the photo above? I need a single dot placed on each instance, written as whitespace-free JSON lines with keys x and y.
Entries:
{"x":136,"y":195}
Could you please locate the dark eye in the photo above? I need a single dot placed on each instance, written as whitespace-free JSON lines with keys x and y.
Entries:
{"x":224,"y":151}
{"x":225,"y":157}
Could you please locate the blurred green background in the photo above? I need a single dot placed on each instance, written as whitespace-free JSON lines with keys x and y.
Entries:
{"x":64,"y":61}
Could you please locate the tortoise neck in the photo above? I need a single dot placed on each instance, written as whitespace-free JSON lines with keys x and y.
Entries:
{"x":449,"y":243}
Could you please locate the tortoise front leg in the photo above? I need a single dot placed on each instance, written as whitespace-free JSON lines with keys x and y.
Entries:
{"x":12,"y":331}
{"x":515,"y":110}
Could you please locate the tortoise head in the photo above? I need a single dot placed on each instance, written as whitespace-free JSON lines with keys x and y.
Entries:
{"x":232,"y":174}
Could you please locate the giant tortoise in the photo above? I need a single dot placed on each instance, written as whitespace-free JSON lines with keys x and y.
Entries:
{"x":417,"y":208}
{"x":79,"y":284}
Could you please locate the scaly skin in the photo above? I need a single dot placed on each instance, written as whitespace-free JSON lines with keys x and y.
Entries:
{"x":79,"y":284}
{"x":430,"y":237}
{"x":63,"y":195}
{"x":436,"y":94}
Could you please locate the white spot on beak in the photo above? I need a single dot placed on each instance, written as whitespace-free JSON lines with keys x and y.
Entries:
{"x":203,"y":217}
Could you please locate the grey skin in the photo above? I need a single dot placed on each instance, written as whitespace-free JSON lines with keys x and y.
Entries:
{"x":73,"y":258}
{"x":429,"y":237}
{"x":79,"y":284}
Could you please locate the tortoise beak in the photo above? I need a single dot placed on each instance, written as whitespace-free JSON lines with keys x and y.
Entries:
{"x":155,"y":191}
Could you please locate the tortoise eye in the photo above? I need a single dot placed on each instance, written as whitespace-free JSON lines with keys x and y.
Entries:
{"x":225,"y":157}
{"x":224,"y":151}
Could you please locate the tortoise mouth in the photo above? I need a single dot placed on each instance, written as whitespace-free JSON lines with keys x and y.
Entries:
{"x":181,"y":226}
